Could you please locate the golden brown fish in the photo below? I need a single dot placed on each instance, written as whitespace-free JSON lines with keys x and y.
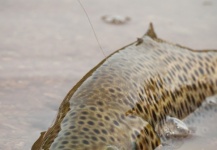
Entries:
{"x":118,"y":103}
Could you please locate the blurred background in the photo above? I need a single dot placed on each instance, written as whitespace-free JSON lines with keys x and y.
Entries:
{"x":46,"y":46}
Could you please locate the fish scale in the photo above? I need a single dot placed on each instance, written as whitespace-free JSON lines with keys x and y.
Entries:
{"x":119,"y":102}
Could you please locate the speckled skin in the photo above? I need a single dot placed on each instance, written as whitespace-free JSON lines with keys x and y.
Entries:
{"x":118,"y":103}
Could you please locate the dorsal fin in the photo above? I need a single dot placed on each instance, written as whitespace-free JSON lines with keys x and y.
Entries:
{"x":151,"y":32}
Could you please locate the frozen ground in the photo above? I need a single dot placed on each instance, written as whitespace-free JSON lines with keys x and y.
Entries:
{"x":46,"y":46}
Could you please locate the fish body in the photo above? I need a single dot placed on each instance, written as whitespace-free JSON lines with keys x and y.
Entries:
{"x":117,"y":105}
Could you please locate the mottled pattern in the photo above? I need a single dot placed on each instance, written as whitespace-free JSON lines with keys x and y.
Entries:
{"x":117,"y":104}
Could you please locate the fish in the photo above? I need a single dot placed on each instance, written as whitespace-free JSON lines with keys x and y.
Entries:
{"x":118,"y":103}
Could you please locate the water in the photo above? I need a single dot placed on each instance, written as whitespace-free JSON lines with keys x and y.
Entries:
{"x":201,"y":126}
{"x":46,"y":46}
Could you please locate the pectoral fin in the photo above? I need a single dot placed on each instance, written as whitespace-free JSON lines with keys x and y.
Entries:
{"x":37,"y":144}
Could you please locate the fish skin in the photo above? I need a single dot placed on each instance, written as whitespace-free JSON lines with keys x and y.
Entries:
{"x":117,"y":104}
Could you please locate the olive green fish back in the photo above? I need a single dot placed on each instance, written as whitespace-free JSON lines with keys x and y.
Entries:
{"x":118,"y":103}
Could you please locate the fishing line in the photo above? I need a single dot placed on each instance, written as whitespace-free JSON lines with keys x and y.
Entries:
{"x":91,"y":26}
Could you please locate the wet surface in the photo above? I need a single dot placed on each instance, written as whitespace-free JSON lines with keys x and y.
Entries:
{"x":47,"y":46}
{"x":203,"y":135}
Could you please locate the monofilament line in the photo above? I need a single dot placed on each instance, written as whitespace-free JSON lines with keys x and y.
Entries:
{"x":91,"y":26}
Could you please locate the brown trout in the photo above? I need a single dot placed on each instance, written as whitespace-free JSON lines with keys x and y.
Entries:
{"x":118,"y":103}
